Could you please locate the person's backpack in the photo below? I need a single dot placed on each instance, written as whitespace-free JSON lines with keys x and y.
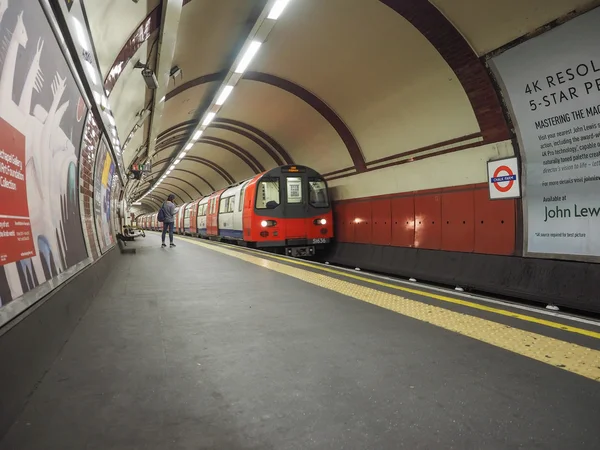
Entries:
{"x":161,"y":214}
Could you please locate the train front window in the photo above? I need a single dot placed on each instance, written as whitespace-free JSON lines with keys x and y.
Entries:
{"x":294,"y":190}
{"x":267,"y":194}
{"x":317,"y":191}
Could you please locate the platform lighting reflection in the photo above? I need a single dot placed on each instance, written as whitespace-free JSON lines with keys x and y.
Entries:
{"x":247,"y":58}
{"x":277,"y":9}
{"x":226,"y":91}
{"x":209,"y":118}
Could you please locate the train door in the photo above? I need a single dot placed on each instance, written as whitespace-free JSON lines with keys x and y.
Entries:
{"x":201,"y":218}
{"x":193,"y":229}
{"x":212,"y":217}
{"x":186,"y":219}
{"x":239,"y":208}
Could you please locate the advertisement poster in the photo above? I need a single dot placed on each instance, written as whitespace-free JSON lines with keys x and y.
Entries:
{"x":40,"y":135}
{"x":16,"y":240}
{"x":552,"y":86}
{"x":105,"y":171}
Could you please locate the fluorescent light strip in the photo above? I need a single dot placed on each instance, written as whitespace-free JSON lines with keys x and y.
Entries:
{"x":183,"y":155}
{"x":177,"y":162}
{"x":247,"y":58}
{"x":189,"y":146}
{"x":277,"y":9}
{"x":81,"y":35}
{"x":209,"y":118}
{"x":197,"y":135}
{"x":226,"y":91}
{"x":91,"y":72}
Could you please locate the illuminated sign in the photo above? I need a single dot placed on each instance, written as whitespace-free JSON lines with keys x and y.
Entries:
{"x":293,"y":169}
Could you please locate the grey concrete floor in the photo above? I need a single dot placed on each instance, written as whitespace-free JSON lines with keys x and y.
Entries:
{"x":187,"y":348}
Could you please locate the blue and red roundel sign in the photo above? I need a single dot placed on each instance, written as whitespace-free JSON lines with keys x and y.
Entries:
{"x":503,"y":178}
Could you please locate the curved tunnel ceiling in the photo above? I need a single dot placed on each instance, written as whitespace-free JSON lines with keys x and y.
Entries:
{"x":377,"y":95}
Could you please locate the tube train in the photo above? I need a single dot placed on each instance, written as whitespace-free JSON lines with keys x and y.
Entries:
{"x":285,"y":210}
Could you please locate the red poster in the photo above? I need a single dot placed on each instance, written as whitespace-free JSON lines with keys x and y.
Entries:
{"x":16,"y":238}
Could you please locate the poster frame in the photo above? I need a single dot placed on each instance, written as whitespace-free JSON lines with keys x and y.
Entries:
{"x":16,"y":310}
{"x":520,"y":153}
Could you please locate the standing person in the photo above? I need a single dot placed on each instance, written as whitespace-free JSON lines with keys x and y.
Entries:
{"x":169,"y":211}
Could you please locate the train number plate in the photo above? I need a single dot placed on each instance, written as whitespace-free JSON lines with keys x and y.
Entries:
{"x":320,"y":241}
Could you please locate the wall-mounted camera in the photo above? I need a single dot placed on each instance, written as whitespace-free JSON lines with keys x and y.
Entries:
{"x":148,"y":75}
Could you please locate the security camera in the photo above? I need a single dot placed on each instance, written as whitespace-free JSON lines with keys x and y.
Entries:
{"x":150,"y":79}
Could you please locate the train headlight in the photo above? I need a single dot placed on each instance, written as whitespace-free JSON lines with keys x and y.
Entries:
{"x":268,"y":223}
{"x":323,"y":221}
{"x":320,"y":221}
{"x":264,"y":224}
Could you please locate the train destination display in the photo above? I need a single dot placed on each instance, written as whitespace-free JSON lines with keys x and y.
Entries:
{"x":552,"y":86}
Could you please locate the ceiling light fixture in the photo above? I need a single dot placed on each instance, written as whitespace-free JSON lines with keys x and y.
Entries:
{"x":189,"y":146}
{"x":209,"y":117}
{"x":277,"y":9}
{"x":197,"y":135}
{"x":91,"y":72}
{"x":226,"y":91}
{"x":81,"y":35}
{"x":247,"y":58}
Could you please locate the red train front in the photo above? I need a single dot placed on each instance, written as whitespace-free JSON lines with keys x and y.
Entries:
{"x":290,"y":210}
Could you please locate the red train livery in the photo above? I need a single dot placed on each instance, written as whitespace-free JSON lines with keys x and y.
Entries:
{"x":286,"y":210}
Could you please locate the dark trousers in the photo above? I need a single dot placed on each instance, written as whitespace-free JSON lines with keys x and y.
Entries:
{"x":168,"y":226}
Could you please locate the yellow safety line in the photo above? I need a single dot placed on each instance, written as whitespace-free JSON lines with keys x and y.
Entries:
{"x":503,"y":312}
{"x":565,"y":355}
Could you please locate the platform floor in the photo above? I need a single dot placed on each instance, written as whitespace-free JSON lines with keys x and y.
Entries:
{"x":208,"y":347}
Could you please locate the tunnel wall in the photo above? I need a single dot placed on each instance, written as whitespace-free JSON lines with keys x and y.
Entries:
{"x":59,"y":196}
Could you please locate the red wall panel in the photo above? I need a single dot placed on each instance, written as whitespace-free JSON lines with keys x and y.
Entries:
{"x":495,"y":224}
{"x":381,"y":214}
{"x":428,"y":221}
{"x":403,"y":221}
{"x":362,"y":223}
{"x":339,"y":222}
{"x":458,"y":217}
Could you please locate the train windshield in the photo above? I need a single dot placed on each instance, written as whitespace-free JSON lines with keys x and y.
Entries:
{"x":294,"y":189}
{"x":267,"y":194}
{"x":317,"y":191}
